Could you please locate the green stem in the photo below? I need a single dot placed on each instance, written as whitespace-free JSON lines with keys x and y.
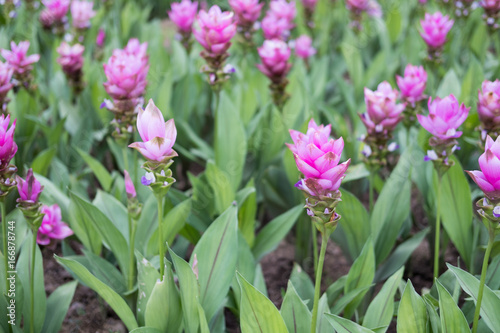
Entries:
{"x":483,"y":278}
{"x":370,"y":186}
{"x":125,"y":157}
{"x":32,"y":281}
{"x":160,"y":235}
{"x":131,"y":272}
{"x":315,"y":247}
{"x":317,"y":285}
{"x":438,"y":231}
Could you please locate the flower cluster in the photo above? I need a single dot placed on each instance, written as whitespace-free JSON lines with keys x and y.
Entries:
{"x":435,"y":28}
{"x":279,"y":20}
{"x":183,"y":15}
{"x":20,"y":62}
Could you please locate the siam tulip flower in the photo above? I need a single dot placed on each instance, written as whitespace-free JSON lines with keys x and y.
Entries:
{"x":52,"y":226}
{"x":101,"y":37}
{"x":304,"y":48}
{"x":134,"y":47}
{"x":129,"y":185}
{"x":435,"y":27}
{"x":310,"y":4}
{"x":491,"y":9}
{"x":5,"y":77}
{"x":183,"y":15}
{"x":488,"y":106}
{"x":8,"y":145}
{"x":19,"y":61}
{"x":82,"y":13}
{"x":54,"y":14}
{"x":412,"y":85}
{"x":283,"y":9}
{"x":158,"y":136}
{"x":70,"y":57}
{"x":247,"y":11}
{"x":309,"y":8}
{"x":29,"y":189}
{"x":275,"y":28}
{"x":358,"y":7}
{"x":216,"y":28}
{"x":488,"y":179}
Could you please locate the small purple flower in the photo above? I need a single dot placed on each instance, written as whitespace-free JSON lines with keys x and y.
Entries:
{"x":496,"y":211}
{"x":148,"y":179}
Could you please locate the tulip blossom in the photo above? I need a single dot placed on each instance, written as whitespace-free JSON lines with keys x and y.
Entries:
{"x":5,"y":76}
{"x":275,"y":28}
{"x":157,"y":135}
{"x":491,"y":7}
{"x":8,"y":147}
{"x":310,"y":4}
{"x":412,"y":85}
{"x":134,"y":47}
{"x":488,"y":179}
{"x":488,"y":106}
{"x":52,"y":226}
{"x":183,"y":14}
{"x":18,"y":59}
{"x":304,"y":48}
{"x":29,"y":189}
{"x":129,"y":185}
{"x":274,"y":55}
{"x":54,"y":13}
{"x":82,"y":13}
{"x":435,"y":27}
{"x":126,"y":74}
{"x":371,"y":7}
{"x":70,"y":57}
{"x":445,"y":116}
{"x":283,"y":9}
{"x":216,"y":28}
{"x":247,"y":11}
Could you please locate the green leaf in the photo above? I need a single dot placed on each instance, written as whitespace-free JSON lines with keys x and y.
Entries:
{"x":342,"y":325}
{"x":147,"y":275}
{"x":412,"y":314}
{"x":99,"y":170}
{"x":295,"y":312}
{"x":452,"y":318}
{"x":114,"y":210}
{"x":472,"y":81}
{"x":381,"y":309}
{"x":257,"y":312}
{"x":246,"y":214}
{"x":221,"y":185}
{"x":104,"y":271}
{"x":146,"y":330}
{"x":449,"y":85}
{"x":83,"y":227}
{"x":348,"y":298}
{"x":114,"y":300}
{"x":57,"y":306}
{"x":360,"y":275}
{"x":42,"y":161}
{"x":490,"y":303}
{"x":217,"y":253}
{"x":302,"y":284}
{"x":354,"y":62}
{"x":272,"y":234}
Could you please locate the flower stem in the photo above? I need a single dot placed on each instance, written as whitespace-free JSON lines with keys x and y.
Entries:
{"x":125,"y":158}
{"x":483,"y":278}
{"x":317,"y":285}
{"x":438,"y":231}
{"x":370,"y":186}
{"x":315,"y":247}
{"x":131,"y":272}
{"x":160,"y":235}
{"x":32,"y":281}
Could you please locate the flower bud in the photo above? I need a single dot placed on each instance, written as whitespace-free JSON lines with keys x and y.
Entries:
{"x":129,"y":185}
{"x":412,"y":85}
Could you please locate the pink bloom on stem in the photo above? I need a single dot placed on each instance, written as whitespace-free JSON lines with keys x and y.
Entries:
{"x":382,"y":112}
{"x":488,"y":106}
{"x":247,"y":11}
{"x":435,"y":27}
{"x":310,"y":4}
{"x":52,"y":226}
{"x":216,"y":28}
{"x":56,"y":9}
{"x":101,"y":36}
{"x":488,"y":179}
{"x":317,"y":157}
{"x":445,"y":116}
{"x":303,"y":47}
{"x":157,"y":135}
{"x":134,"y":48}
{"x":283,"y":9}
{"x":126,"y":74}
{"x":129,"y":185}
{"x":183,"y":14}
{"x":490,"y":5}
{"x":70,"y":57}
{"x":17,"y":59}
{"x":357,"y":5}
{"x":29,"y":189}
{"x":274,"y":55}
{"x":412,"y":85}
{"x":5,"y":76}
{"x":275,"y":28}
{"x":82,"y":12}
{"x":8,"y":147}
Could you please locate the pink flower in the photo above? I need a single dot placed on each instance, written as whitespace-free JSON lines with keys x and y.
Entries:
{"x":275,"y":28}
{"x":488,"y":179}
{"x":247,"y":11}
{"x":101,"y":36}
{"x":274,"y":55}
{"x":52,"y":226}
{"x":129,"y":185}
{"x":445,"y":116}
{"x":317,"y":157}
{"x":17,"y":58}
{"x":183,"y":14}
{"x":216,"y":28}
{"x":283,"y":9}
{"x":412,"y":85}
{"x":490,"y":5}
{"x":303,"y":47}
{"x":310,"y":4}
{"x":488,"y":107}
{"x":8,"y":147}
{"x":82,"y":12}
{"x":5,"y":76}
{"x":135,"y":48}
{"x":29,"y":189}
{"x":435,"y":27}
{"x":158,"y":136}
{"x":56,"y":9}
{"x":70,"y":57}
{"x":126,"y":74}
{"x":357,"y":5}
{"x":382,"y":112}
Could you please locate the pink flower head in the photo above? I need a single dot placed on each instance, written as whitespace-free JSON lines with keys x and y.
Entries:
{"x":283,"y":9}
{"x":488,"y":106}
{"x":52,"y":226}
{"x":17,"y":59}
{"x":5,"y":76}
{"x":275,"y":28}
{"x":357,"y":5}
{"x":274,"y":55}
{"x":82,"y":12}
{"x":488,"y":179}
{"x":435,"y":27}
{"x":8,"y":147}
{"x":445,"y":116}
{"x":317,"y":157}
{"x":101,"y":36}
{"x":126,"y":74}
{"x":29,"y":189}
{"x":183,"y":14}
{"x":490,"y":5}
{"x":247,"y":11}
{"x":382,"y":112}
{"x":216,"y":28}
{"x":129,"y":185}
{"x":134,"y":48}
{"x":70,"y":57}
{"x":412,"y":85}
{"x":56,"y":9}
{"x":303,"y":47}
{"x":157,"y":135}
{"x":310,"y":4}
